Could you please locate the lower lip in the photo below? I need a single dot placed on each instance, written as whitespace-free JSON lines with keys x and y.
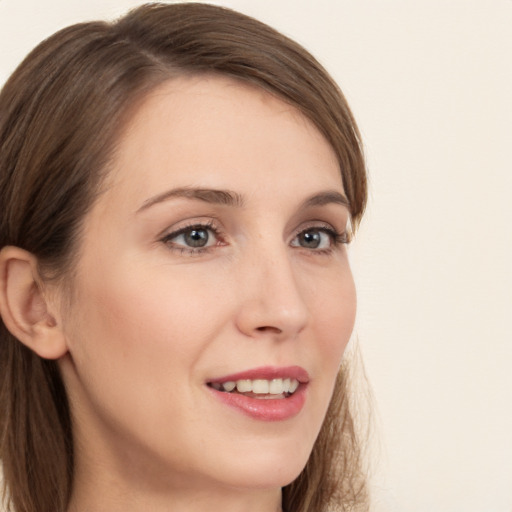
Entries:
{"x":273,"y":409}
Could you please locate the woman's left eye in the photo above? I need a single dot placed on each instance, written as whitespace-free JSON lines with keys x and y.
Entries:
{"x":317,"y":238}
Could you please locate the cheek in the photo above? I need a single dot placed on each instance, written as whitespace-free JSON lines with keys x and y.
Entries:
{"x":135,"y":343}
{"x":144,"y":327}
{"x":334,"y":310}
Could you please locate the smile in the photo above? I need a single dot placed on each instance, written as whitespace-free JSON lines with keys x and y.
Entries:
{"x":259,"y":388}
{"x":266,"y":394}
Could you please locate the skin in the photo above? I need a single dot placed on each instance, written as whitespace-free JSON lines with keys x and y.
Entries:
{"x":151,"y":321}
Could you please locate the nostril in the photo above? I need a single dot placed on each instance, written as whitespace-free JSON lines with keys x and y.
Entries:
{"x":269,"y":328}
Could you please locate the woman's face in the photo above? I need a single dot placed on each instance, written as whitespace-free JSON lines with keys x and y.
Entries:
{"x":214,"y":256}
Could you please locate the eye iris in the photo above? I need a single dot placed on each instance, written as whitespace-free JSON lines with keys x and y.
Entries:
{"x":310,"y":239}
{"x":196,"y":237}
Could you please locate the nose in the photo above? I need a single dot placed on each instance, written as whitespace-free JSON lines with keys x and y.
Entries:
{"x":272,"y":301}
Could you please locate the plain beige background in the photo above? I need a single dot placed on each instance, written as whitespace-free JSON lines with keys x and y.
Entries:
{"x":430,"y":82}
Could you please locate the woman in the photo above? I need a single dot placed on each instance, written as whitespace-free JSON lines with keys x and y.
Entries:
{"x":177,"y":190}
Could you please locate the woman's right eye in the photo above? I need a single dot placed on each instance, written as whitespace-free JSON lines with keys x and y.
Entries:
{"x":194,"y":238}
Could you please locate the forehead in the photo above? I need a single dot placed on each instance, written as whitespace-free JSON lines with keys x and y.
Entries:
{"x":219,"y":132}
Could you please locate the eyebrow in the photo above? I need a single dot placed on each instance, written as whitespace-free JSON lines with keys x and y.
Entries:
{"x":208,"y":195}
{"x":230,"y":198}
{"x":327,"y":197}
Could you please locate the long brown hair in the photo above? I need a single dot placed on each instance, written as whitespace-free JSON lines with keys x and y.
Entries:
{"x":60,"y":114}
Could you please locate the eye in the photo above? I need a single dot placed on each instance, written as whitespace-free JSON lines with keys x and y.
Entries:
{"x":318,"y":238}
{"x":195,"y":237}
{"x":192,"y":238}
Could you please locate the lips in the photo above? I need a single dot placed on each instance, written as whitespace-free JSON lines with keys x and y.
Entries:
{"x":265,"y":393}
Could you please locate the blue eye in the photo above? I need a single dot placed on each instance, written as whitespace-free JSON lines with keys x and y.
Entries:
{"x":318,"y":238}
{"x":192,"y":237}
{"x":196,"y":237}
{"x":311,"y":239}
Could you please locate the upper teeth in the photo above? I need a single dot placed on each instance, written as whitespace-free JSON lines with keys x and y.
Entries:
{"x":259,"y":386}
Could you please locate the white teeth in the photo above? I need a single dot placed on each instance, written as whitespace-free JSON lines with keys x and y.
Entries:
{"x":229,"y":386}
{"x":244,"y":386}
{"x":259,"y":386}
{"x":276,"y":387}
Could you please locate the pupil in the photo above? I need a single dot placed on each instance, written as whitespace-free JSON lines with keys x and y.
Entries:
{"x":196,"y":238}
{"x":311,"y":239}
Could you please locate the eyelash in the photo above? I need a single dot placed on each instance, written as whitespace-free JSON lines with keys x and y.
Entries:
{"x":193,"y":251}
{"x":336,"y":238}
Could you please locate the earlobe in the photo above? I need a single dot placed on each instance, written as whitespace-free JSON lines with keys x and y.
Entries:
{"x":24,"y":307}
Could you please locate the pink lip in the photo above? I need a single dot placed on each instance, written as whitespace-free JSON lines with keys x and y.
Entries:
{"x":277,"y":409}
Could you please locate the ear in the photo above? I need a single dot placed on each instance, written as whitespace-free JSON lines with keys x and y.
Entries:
{"x":24,"y":307}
